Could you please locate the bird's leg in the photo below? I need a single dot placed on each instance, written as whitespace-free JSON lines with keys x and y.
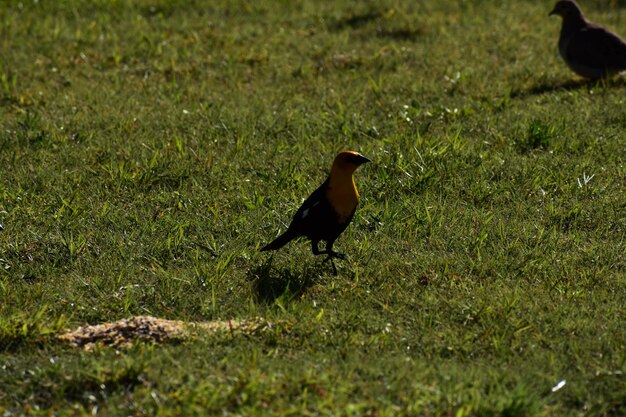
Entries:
{"x":333,"y":264}
{"x":331,"y":253}
{"x":338,"y":255}
{"x":328,"y":251}
{"x":315,"y":248}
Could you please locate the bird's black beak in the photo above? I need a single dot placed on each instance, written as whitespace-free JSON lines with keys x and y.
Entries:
{"x":362,"y":159}
{"x":353,"y":158}
{"x":553,"y":12}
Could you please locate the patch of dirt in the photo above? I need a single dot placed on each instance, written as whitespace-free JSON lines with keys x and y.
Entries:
{"x":123,"y":333}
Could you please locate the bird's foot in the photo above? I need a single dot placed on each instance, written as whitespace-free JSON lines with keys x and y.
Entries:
{"x":333,"y":254}
{"x":332,"y":262}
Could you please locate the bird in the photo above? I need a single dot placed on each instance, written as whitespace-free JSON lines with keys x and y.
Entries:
{"x":328,"y":211}
{"x":590,"y":50}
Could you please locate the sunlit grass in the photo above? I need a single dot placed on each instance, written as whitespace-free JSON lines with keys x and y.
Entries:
{"x":149,"y":149}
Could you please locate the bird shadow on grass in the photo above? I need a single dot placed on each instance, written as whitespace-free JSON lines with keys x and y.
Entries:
{"x":354,"y":21}
{"x":270,"y":283}
{"x":549,"y":87}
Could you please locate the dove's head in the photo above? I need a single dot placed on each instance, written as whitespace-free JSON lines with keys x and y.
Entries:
{"x":566,"y":9}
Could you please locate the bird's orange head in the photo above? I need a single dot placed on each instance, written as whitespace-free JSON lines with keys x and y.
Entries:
{"x":566,"y":9}
{"x":348,"y":161}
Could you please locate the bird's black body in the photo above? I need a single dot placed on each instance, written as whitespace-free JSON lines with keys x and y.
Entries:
{"x":328,"y":210}
{"x":315,"y":220}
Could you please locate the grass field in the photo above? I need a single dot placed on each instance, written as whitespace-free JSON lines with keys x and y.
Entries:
{"x":149,"y":148}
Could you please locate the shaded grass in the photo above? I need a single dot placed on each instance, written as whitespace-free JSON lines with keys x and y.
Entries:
{"x":150,"y":149}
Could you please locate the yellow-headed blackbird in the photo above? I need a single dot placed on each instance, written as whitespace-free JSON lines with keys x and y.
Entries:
{"x":328,"y":211}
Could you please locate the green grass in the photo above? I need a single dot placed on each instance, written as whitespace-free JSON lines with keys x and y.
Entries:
{"x":149,"y":148}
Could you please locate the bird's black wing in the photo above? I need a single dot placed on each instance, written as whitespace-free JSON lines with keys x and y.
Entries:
{"x":314,"y":219}
{"x":596,"y":47}
{"x":317,"y":219}
{"x":314,"y":210}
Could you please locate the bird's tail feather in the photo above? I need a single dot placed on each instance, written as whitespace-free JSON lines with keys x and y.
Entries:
{"x":280,"y":241}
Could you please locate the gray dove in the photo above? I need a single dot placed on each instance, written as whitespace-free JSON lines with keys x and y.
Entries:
{"x":591,"y":51}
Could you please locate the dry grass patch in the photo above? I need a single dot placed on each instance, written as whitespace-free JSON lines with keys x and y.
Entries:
{"x":123,"y":333}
